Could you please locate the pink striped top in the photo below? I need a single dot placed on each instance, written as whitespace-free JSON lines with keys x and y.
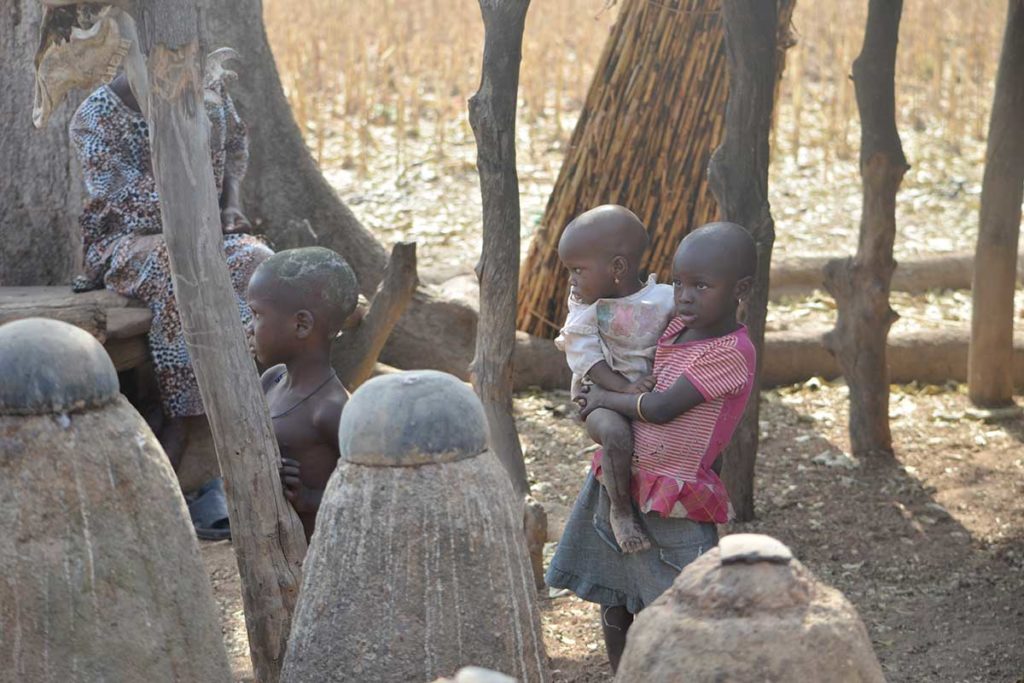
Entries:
{"x":671,"y":472}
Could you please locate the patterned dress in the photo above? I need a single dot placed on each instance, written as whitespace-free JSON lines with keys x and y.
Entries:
{"x":121,"y":230}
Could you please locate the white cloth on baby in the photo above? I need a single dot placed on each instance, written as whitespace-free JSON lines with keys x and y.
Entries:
{"x":622,"y":332}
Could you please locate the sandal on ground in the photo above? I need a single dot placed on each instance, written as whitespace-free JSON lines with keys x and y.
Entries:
{"x":208,"y":508}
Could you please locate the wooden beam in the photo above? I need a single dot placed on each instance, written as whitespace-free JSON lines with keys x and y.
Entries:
{"x":63,"y":297}
{"x":266,"y":533}
{"x":90,"y":311}
{"x":89,"y":317}
{"x":125,"y":323}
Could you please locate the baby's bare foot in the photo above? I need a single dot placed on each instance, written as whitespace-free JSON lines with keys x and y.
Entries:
{"x":627,"y":530}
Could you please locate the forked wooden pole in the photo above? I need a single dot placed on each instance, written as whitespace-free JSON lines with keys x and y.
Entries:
{"x":860,"y":285}
{"x":492,"y":114}
{"x":267,"y":536}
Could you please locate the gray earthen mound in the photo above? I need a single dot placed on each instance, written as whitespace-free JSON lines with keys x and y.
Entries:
{"x":47,"y":366}
{"x":100,"y":575}
{"x":418,"y":566}
{"x":749,"y":611}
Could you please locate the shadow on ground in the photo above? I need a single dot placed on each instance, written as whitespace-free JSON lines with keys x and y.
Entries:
{"x":928,"y":545}
{"x":940,"y":596}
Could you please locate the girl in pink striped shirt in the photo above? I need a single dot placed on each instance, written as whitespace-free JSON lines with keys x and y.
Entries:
{"x":705,"y":366}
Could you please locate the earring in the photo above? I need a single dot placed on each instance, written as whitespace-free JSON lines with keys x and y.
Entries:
{"x":616,"y":280}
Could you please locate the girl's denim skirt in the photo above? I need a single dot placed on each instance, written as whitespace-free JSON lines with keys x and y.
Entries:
{"x":589,"y":562}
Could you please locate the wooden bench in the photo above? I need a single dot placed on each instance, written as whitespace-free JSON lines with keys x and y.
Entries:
{"x":119,"y":323}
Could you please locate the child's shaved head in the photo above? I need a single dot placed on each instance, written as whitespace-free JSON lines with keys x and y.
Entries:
{"x":602,"y":250}
{"x":727,"y":245}
{"x":712,"y":272}
{"x":610,"y":229}
{"x":312,"y":278}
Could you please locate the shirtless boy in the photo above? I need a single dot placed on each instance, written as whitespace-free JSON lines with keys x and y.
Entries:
{"x":299,"y":300}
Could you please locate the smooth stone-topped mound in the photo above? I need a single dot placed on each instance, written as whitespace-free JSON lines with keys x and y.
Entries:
{"x":100,"y":575}
{"x":412,"y":418}
{"x":48,"y":366}
{"x":752,"y":548}
{"x":745,"y":611}
{"x":418,"y":566}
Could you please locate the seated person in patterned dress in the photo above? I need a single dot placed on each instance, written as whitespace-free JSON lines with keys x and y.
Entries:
{"x":122,"y":236}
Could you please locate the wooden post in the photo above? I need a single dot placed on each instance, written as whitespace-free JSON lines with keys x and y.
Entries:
{"x":738,"y":177}
{"x":355,"y":355}
{"x":268,"y":538}
{"x":990,"y":382}
{"x":860,"y":285}
{"x":492,"y":114}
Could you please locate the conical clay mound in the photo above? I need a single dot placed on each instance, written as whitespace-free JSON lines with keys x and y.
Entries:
{"x":100,"y":574}
{"x":418,"y":566}
{"x":749,"y":611}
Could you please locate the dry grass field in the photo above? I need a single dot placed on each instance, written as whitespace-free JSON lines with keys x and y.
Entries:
{"x":380,"y":88}
{"x":350,"y":64}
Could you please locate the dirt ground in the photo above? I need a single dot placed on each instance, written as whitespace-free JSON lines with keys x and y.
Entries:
{"x":929,"y":546}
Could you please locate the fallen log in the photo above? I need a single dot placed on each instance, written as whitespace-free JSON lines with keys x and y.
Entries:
{"x":925,"y":356}
{"x":800,"y":276}
{"x":930,"y":356}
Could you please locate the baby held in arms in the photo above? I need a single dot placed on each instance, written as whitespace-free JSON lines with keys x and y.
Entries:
{"x":609,"y":339}
{"x":704,"y":367}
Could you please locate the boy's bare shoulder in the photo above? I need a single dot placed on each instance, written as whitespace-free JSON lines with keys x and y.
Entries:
{"x":327,"y":413}
{"x":270,"y":376}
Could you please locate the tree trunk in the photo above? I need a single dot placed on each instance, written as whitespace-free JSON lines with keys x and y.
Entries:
{"x":40,"y":186}
{"x":738,"y":177}
{"x":492,"y":115}
{"x":287,"y":196}
{"x":284,"y":191}
{"x":860,"y":285}
{"x":990,"y":383}
{"x":268,"y":538}
{"x":653,"y":115}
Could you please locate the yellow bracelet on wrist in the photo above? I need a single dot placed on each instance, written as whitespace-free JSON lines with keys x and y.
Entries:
{"x":639,"y":412}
